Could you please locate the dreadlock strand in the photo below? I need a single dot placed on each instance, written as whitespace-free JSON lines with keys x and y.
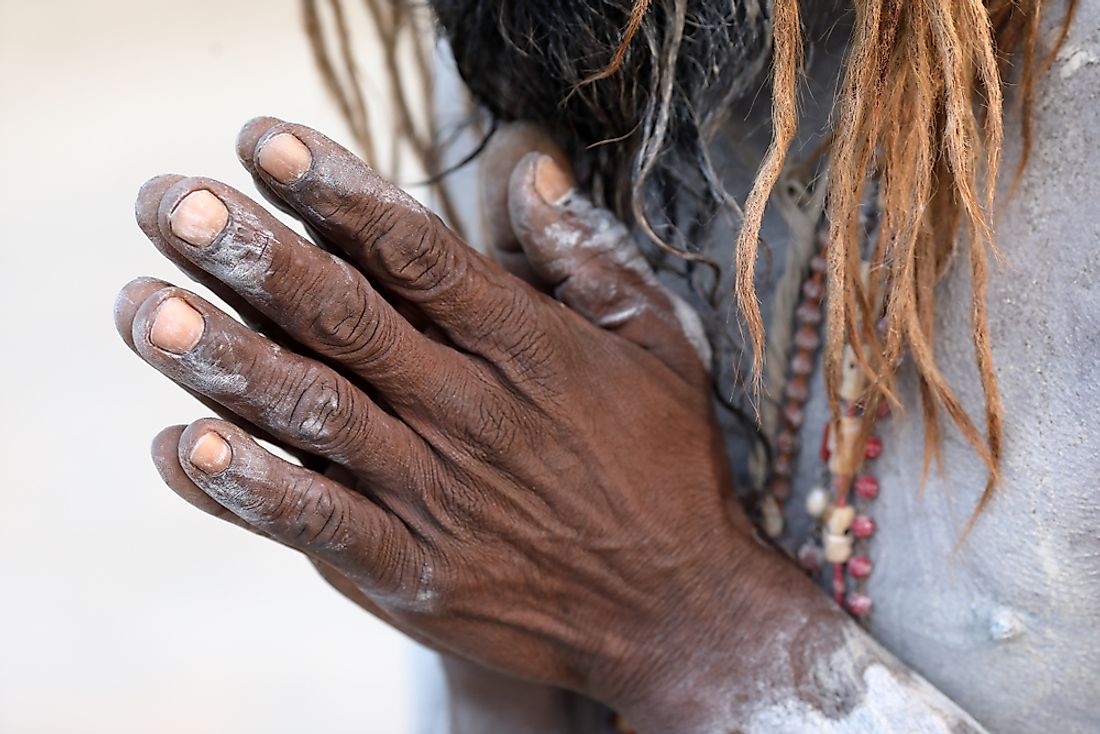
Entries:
{"x":787,"y":66}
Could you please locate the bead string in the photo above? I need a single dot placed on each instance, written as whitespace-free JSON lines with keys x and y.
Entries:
{"x":842,"y":526}
{"x":841,"y":499}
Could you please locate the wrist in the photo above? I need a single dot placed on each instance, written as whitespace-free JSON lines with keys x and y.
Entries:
{"x":483,"y":701}
{"x":700,"y":670}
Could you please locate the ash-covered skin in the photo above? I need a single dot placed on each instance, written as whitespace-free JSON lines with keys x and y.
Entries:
{"x":596,"y":507}
{"x":523,"y":502}
{"x":1002,"y":623}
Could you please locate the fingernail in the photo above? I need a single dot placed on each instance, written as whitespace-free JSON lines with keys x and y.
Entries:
{"x":285,"y":158}
{"x":552,"y":183}
{"x":211,"y":453}
{"x":177,"y":327}
{"x":199,"y":218}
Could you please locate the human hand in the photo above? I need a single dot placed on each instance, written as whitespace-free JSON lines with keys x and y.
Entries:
{"x":531,"y":492}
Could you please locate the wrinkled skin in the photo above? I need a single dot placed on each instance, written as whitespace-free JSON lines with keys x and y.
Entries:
{"x":486,"y":469}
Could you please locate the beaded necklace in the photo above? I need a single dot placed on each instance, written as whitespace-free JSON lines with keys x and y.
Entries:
{"x":841,"y":500}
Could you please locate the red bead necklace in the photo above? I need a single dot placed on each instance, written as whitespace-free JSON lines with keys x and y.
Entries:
{"x":841,"y":501}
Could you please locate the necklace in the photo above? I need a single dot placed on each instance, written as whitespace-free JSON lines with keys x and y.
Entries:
{"x":840,"y":502}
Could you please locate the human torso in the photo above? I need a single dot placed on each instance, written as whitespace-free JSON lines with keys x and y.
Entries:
{"x":1004,"y":623}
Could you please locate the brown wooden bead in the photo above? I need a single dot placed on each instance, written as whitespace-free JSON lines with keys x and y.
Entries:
{"x":807,"y":338}
{"x":782,"y":465}
{"x":780,"y":489}
{"x":792,"y":413}
{"x":786,"y":442}
{"x":809,"y":313}
{"x":802,"y":363}
{"x":798,"y":390}
{"x":813,"y":290}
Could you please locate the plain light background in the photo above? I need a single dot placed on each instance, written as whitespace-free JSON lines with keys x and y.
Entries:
{"x":122,"y":609}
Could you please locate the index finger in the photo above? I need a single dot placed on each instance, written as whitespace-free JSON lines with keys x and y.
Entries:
{"x":401,"y":244}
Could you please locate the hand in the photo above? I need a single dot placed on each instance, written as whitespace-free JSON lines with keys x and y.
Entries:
{"x":531,"y":492}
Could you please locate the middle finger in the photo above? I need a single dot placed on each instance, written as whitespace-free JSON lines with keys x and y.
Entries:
{"x":318,"y":299}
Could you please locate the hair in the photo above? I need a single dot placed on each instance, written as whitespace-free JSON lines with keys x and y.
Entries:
{"x":638,"y":89}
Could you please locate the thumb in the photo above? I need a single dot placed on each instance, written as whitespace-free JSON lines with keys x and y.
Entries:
{"x":592,"y":263}
{"x":506,"y":149}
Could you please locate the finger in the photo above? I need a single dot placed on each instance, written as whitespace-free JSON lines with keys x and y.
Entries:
{"x":166,"y":458}
{"x":298,"y":400}
{"x":404,"y":248}
{"x":594,"y":266}
{"x":317,"y":299}
{"x":505,"y":150}
{"x":165,"y":452}
{"x":129,"y":300}
{"x":297,"y":507}
{"x":146,"y":209}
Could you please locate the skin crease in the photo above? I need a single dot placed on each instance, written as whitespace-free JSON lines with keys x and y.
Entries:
{"x":529,"y":492}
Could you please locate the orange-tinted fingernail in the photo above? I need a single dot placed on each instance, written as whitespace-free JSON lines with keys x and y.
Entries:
{"x":199,"y":218}
{"x":177,"y":327}
{"x":552,"y":183}
{"x":285,"y":158}
{"x":211,"y":453}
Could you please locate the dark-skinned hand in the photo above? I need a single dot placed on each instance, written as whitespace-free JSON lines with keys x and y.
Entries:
{"x":535,"y":485}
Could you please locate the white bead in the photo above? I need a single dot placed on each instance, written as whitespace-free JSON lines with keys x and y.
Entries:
{"x":772,"y":517}
{"x":838,"y":548}
{"x":817,"y":501}
{"x":852,"y":380}
{"x":844,"y":459}
{"x":840,"y":519}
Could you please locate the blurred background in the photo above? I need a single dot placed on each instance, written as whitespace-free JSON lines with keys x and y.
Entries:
{"x":122,"y":609}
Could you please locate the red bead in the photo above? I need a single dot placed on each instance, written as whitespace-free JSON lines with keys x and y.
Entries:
{"x":863,"y":527}
{"x":859,"y":566}
{"x":858,"y":604}
{"x":802,"y":364}
{"x":867,"y":487}
{"x":883,"y":409}
{"x":872,"y":448}
{"x":809,"y":557}
{"x":807,"y":338}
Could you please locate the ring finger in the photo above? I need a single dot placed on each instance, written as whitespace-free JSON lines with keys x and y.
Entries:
{"x":297,"y":400}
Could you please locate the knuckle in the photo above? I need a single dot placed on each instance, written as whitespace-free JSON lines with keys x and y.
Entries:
{"x":317,"y":518}
{"x":315,"y":413}
{"x":413,"y":251}
{"x":494,"y":429}
{"x":513,"y":323}
{"x":350,"y":325}
{"x":529,"y":351}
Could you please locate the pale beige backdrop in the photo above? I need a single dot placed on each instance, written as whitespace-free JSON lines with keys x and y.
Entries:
{"x":121,"y":608}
